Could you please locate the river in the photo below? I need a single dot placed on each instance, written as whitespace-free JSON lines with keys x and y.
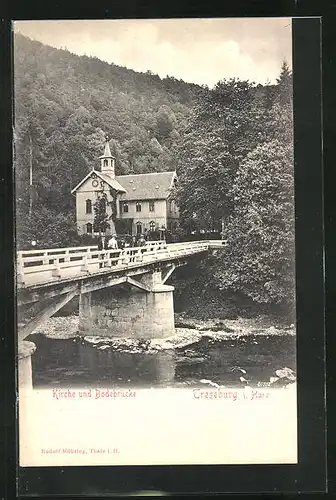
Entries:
{"x":227,"y":359}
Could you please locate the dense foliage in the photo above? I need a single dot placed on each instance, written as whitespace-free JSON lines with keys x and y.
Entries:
{"x":236,"y":164}
{"x":226,"y":125}
{"x":64,"y":106}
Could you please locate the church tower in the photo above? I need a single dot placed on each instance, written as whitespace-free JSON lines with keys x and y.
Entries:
{"x":107,"y":161}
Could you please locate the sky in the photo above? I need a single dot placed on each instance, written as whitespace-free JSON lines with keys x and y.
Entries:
{"x":201,"y":51}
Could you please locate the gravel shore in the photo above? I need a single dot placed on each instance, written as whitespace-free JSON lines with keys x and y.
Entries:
{"x":187,"y":332}
{"x":186,"y":345}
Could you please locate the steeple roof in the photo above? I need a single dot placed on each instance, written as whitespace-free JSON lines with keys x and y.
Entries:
{"x":107,"y":151}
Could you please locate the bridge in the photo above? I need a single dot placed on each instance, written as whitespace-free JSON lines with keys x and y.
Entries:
{"x":121,"y":292}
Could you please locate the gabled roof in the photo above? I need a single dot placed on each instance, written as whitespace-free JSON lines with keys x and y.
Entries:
{"x":113,"y":183}
{"x":150,"y":186}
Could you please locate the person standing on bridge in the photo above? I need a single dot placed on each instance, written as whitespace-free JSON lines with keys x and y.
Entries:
{"x":101,"y":243}
{"x":142,"y":241}
{"x":113,"y":244}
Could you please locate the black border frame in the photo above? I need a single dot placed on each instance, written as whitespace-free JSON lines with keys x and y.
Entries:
{"x":310,"y":474}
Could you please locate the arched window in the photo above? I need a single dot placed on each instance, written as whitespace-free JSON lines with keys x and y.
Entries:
{"x":151,"y":206}
{"x":138,"y":227}
{"x":105,"y":163}
{"x":125,"y":207}
{"x":138,"y":207}
{"x":88,"y":206}
{"x":152,"y":225}
{"x":89,"y":228}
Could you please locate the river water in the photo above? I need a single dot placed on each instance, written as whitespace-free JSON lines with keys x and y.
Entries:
{"x":76,"y":362}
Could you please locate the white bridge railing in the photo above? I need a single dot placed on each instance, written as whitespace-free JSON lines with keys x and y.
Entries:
{"x":43,"y":266}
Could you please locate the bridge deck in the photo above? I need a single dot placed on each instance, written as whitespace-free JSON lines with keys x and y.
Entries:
{"x":43,"y":267}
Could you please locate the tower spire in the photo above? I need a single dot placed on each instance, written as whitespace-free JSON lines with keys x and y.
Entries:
{"x":107,"y":161}
{"x":107,"y":151}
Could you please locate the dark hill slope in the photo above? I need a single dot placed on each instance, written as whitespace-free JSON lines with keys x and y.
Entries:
{"x":65,"y":104}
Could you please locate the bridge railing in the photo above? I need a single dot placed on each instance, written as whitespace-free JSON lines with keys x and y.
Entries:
{"x":40,"y":266}
{"x":36,"y":266}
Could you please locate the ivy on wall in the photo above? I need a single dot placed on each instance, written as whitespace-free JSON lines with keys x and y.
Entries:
{"x":101,"y":216}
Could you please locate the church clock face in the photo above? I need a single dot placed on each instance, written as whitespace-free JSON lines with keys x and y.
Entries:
{"x":95,"y":183}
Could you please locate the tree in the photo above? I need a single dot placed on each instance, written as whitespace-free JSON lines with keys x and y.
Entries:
{"x":259,"y":258}
{"x":285,"y":84}
{"x":104,"y":218}
{"x":227,"y":124}
{"x":121,"y":160}
{"x":61,"y":233}
{"x":236,"y":161}
{"x":165,"y":120}
{"x":285,"y":74}
{"x":100,"y":221}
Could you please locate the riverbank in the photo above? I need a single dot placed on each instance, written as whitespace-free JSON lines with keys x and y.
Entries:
{"x":250,"y":354}
{"x":197,"y":298}
{"x":187,"y":330}
{"x":259,"y":325}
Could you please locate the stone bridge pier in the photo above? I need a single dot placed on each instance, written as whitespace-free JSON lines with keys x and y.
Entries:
{"x":25,"y":350}
{"x":140,"y":308}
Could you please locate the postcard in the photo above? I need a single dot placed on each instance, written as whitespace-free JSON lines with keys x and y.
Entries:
{"x":155,"y":238}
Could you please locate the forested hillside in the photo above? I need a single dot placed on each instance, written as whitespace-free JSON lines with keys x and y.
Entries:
{"x":64,"y":106}
{"x":232,"y":147}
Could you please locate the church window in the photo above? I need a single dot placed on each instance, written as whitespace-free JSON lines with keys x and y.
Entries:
{"x":105,"y":163}
{"x":139,"y":227}
{"x":152,"y":225}
{"x":125,"y":207}
{"x":138,"y":207}
{"x":88,"y":206}
{"x":89,"y":228}
{"x":151,"y":206}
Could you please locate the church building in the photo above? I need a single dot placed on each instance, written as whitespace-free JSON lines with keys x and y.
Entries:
{"x":133,"y":204}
